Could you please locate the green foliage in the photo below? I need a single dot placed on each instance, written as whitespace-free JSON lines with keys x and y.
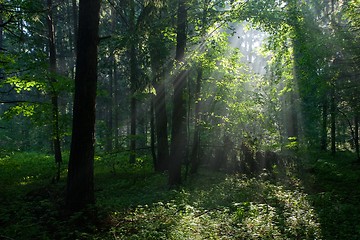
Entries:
{"x":25,"y":109}
{"x":335,"y":196}
{"x":134,"y":203}
{"x":293,"y":143}
{"x":24,"y":171}
{"x":21,"y":85}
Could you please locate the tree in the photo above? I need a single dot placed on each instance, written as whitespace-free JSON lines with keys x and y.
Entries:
{"x":178,"y":129}
{"x":54,"y":94}
{"x":159,"y":46}
{"x":80,"y":182}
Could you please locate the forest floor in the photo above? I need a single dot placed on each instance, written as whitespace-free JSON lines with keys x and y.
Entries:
{"x":320,"y":200}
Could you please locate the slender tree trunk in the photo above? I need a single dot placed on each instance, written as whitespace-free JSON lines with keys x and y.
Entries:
{"x":159,"y":101}
{"x":195,"y":161}
{"x":294,"y":132}
{"x":152,"y":131}
{"x":324,"y":126}
{"x":161,"y":127}
{"x":333,"y":121}
{"x":1,"y":28}
{"x":115,"y":104}
{"x":133,"y":83}
{"x":195,"y":158}
{"x":112,"y":92}
{"x":75,"y":24}
{"x":74,"y":36}
{"x":109,"y":113}
{"x":142,"y":125}
{"x":1,"y":43}
{"x":133,"y":113}
{"x":356,"y":140}
{"x":71,"y":40}
{"x":115,"y":93}
{"x":80,"y":182}
{"x":178,"y":131}
{"x":54,"y":94}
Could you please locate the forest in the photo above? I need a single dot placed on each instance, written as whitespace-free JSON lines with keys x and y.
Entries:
{"x":179,"y":119}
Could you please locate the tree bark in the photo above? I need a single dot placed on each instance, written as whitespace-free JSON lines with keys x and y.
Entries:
{"x":333,"y":121}
{"x":324,"y":126}
{"x":356,"y":140}
{"x":109,"y":112}
{"x":133,"y":113}
{"x":75,"y":24}
{"x":293,"y":131}
{"x":54,"y":94}
{"x":195,"y":161}
{"x":178,"y":131}
{"x":80,"y":182}
{"x":133,"y":84}
{"x":156,"y":44}
{"x":1,"y":43}
{"x":152,"y":132}
{"x":115,"y":104}
{"x":161,"y":126}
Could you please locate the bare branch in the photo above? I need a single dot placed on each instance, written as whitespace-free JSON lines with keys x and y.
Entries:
{"x":20,"y":101}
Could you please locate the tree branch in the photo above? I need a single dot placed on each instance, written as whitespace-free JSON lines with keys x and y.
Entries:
{"x":3,"y":24}
{"x":19,"y":101}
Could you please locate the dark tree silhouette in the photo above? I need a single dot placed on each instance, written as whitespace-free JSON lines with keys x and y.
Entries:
{"x":80,"y":183}
{"x":54,"y":93}
{"x":178,"y":131}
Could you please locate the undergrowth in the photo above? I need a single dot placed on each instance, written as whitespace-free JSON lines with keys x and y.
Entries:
{"x":319,"y":202}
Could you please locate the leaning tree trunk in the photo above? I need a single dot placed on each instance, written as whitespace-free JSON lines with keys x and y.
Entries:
{"x":80,"y":182}
{"x":54,"y":94}
{"x":178,"y":131}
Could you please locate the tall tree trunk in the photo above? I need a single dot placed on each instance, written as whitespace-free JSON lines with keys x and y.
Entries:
{"x":142,"y":125}
{"x":294,"y":131}
{"x":75,"y":24}
{"x":161,"y":126}
{"x":333,"y":120}
{"x":80,"y":182}
{"x":178,"y":131}
{"x":152,"y":131}
{"x":115,"y":104}
{"x":54,"y":94}
{"x":195,"y":158}
{"x":133,"y":83}
{"x":71,"y":38}
{"x":133,"y":113}
{"x":161,"y":119}
{"x":195,"y":161}
{"x":356,"y":140}
{"x":112,"y":124}
{"x":109,"y":112}
{"x":115,"y":94}
{"x":1,"y":43}
{"x":324,"y":126}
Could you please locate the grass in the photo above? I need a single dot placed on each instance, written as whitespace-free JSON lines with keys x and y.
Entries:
{"x":333,"y":182}
{"x":318,"y":202}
